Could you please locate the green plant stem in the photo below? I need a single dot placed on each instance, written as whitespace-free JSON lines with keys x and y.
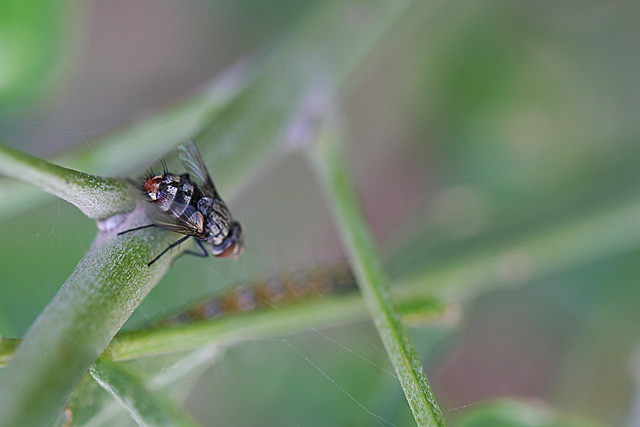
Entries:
{"x":152,"y":408}
{"x":80,"y":321}
{"x":95,"y":196}
{"x":372,"y":279}
{"x":276,"y":322}
{"x":296,"y":318}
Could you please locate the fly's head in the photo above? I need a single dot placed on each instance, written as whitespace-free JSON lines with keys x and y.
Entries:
{"x":233,"y":243}
{"x":225,"y":235}
{"x":152,"y":186}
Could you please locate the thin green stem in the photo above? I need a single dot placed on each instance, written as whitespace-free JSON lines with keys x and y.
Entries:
{"x":273,"y":322}
{"x":372,"y":279}
{"x":299,"y":317}
{"x":95,"y":196}
{"x":147,"y":407}
{"x":296,"y":318}
{"x":581,"y":239}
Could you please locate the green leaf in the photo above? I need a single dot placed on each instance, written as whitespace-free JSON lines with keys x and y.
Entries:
{"x":36,"y":37}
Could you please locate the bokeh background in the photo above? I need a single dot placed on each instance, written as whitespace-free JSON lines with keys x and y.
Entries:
{"x":471,"y":126}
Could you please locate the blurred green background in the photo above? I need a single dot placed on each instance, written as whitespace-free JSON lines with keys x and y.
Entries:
{"x":470,"y":125}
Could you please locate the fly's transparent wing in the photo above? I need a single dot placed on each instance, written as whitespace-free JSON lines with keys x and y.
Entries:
{"x":187,"y":221}
{"x":194,"y":164}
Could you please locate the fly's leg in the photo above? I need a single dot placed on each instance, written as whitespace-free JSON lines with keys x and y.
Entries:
{"x":202,"y":254}
{"x":137,"y":228}
{"x":171,"y":246}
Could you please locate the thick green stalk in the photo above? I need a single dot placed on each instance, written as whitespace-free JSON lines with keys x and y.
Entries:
{"x":95,"y":196}
{"x":67,"y":337}
{"x":372,"y":279}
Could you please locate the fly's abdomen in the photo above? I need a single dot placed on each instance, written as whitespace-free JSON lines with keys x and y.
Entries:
{"x":183,"y":197}
{"x":217,"y":219}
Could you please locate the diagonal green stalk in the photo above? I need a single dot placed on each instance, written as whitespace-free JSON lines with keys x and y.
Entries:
{"x":328,"y":160}
{"x":66,"y":338}
{"x":146,"y":407}
{"x":95,"y":196}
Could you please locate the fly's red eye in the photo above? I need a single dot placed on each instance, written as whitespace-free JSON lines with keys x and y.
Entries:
{"x":230,"y":250}
{"x":151,"y":186}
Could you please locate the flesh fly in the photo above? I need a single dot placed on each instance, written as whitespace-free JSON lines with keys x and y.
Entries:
{"x":189,"y":204}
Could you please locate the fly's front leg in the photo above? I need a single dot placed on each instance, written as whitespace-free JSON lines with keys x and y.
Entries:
{"x":136,"y":229}
{"x":171,"y":246}
{"x":202,"y":254}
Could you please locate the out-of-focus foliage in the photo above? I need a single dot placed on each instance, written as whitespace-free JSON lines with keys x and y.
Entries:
{"x":519,"y":413}
{"x":36,"y":37}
